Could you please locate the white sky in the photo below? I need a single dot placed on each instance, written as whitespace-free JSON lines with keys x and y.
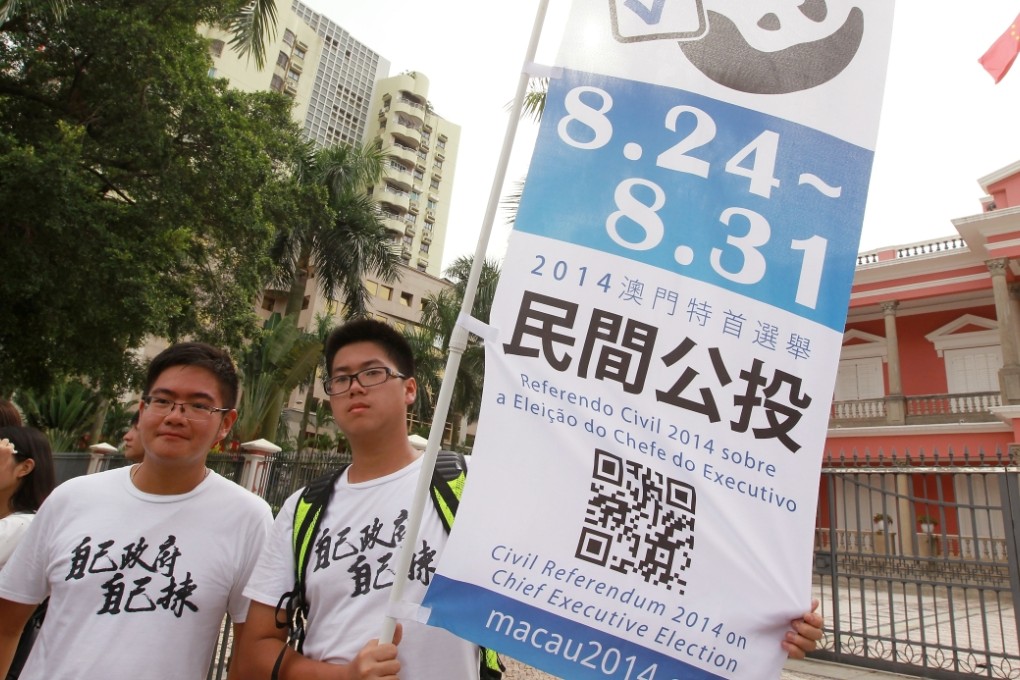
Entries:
{"x":944,"y":123}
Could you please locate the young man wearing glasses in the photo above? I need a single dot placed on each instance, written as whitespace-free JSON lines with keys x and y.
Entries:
{"x":147,"y":558}
{"x":350,"y":571}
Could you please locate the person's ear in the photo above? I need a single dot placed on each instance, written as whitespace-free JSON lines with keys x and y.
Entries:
{"x":410,"y":390}
{"x":24,"y":468}
{"x":229,"y":419}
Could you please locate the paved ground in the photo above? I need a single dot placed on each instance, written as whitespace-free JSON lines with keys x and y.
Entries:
{"x":794,"y":670}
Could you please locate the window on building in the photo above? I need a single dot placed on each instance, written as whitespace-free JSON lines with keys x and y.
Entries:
{"x":424,"y":248}
{"x":293,"y":76}
{"x":268,"y":303}
{"x":385,"y":292}
{"x":276,"y":85}
{"x":422,"y":304}
{"x":432,"y":204}
{"x":371,"y":287}
{"x":974,"y":369}
{"x":434,"y":184}
{"x":288,"y":36}
{"x":437,"y":164}
{"x":422,"y":266}
{"x":216,"y":48}
{"x":441,"y":143}
{"x":299,"y":53}
{"x":859,"y":379}
{"x":406,"y":299}
{"x":282,"y":60}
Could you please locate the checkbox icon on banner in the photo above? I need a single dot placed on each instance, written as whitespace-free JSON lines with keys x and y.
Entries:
{"x":643,"y":20}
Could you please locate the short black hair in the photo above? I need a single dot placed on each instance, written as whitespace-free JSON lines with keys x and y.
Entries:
{"x":200,"y":355}
{"x":36,"y":485}
{"x":393,"y":344}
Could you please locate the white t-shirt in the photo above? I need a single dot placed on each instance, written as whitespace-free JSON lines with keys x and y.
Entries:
{"x":138,"y":583}
{"x":351,"y":570}
{"x":12,"y":528}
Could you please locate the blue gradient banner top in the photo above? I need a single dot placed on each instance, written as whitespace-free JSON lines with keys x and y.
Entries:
{"x":758,"y":205}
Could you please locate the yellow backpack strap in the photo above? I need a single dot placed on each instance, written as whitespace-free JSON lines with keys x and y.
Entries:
{"x":448,"y":479}
{"x":292,"y":609}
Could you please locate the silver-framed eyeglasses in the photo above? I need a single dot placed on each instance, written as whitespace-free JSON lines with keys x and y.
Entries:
{"x":366,"y":377}
{"x":197,"y":412}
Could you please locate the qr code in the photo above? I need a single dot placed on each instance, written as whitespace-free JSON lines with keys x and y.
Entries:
{"x":638,"y":521}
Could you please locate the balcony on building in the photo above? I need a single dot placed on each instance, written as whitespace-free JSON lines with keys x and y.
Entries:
{"x":406,"y":106}
{"x":405,"y":127}
{"x":929,"y":338}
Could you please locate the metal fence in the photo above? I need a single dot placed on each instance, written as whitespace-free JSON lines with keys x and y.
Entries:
{"x":289,"y":472}
{"x":916,"y":564}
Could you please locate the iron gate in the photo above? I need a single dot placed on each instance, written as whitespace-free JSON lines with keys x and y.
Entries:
{"x":916,"y":564}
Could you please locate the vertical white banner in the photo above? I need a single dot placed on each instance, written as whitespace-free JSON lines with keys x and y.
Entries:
{"x":642,"y":496}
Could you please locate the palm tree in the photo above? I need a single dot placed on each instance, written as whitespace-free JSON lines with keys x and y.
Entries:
{"x":252,"y":25}
{"x":431,"y":343}
{"x":533,"y":107}
{"x":323,"y":326}
{"x":534,"y":99}
{"x":273,"y":366}
{"x":346,"y":243}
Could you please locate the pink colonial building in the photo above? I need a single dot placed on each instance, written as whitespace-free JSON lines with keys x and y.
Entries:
{"x":929,"y":374}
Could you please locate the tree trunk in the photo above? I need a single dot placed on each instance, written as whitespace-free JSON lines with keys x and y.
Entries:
{"x":98,"y":420}
{"x":296,"y":296}
{"x":307,"y":412}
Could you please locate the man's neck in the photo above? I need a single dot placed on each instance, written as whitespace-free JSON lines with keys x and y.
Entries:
{"x":375,"y":459}
{"x":161,"y":481}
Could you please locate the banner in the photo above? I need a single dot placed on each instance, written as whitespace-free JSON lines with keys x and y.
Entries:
{"x":665,"y":338}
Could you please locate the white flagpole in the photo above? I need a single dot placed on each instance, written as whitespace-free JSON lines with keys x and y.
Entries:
{"x":459,"y":338}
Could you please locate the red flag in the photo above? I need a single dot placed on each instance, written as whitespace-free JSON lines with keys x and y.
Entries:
{"x":1003,"y":51}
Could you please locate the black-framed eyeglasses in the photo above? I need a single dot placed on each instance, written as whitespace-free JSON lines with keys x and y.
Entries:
{"x":367,"y":377}
{"x":198,"y":412}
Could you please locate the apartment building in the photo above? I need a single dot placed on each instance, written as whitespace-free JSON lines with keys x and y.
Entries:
{"x":343,"y":94}
{"x":415,"y":196}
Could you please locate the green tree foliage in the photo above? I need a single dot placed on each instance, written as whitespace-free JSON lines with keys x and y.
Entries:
{"x":64,"y":412}
{"x":252,"y":22}
{"x":273,"y":366}
{"x":345,"y":244}
{"x":140,"y":197}
{"x":430,"y":343}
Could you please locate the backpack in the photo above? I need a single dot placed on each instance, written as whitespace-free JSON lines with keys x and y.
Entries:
{"x":447,"y":486}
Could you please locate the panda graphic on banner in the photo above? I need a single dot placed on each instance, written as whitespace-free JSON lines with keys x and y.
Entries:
{"x":712,"y":40}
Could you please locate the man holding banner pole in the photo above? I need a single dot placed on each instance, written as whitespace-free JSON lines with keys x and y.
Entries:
{"x":371,"y":384}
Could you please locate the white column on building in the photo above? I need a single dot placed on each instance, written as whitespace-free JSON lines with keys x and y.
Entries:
{"x":1004,"y":312}
{"x":893,"y":347}
{"x":1009,"y":375}
{"x":895,"y":403}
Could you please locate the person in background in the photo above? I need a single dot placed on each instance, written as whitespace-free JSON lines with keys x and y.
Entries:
{"x":133,"y":449}
{"x":26,"y":479}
